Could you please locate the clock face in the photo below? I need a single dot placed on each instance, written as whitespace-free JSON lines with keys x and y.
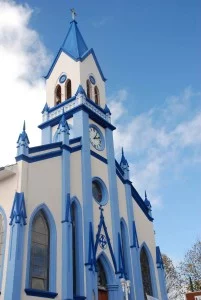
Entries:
{"x":96,"y":138}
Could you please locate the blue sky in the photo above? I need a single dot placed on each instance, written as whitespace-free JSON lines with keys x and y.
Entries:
{"x":150,"y":53}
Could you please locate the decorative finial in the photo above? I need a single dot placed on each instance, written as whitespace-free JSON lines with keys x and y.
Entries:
{"x":74,"y":14}
{"x":145,"y":195}
{"x":24,"y":126}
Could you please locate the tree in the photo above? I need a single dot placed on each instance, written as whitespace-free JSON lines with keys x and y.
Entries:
{"x":174,"y":284}
{"x":190,"y":267}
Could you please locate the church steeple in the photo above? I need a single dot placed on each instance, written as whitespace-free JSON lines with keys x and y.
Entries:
{"x":74,"y":44}
{"x":124,"y":165}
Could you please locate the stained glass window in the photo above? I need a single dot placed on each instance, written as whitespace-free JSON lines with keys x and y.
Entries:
{"x":40,"y":248}
{"x":146,"y":276}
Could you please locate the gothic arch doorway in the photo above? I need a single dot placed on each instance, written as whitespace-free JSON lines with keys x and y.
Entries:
{"x":146,"y":274}
{"x":102,"y":281}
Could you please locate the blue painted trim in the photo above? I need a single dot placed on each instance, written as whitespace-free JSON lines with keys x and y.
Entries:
{"x":98,"y":156}
{"x":110,"y":275}
{"x":70,"y":113}
{"x":152,"y":269}
{"x":103,"y":190}
{"x":101,"y":136}
{"x":38,"y":293}
{"x":113,"y":191}
{"x":90,"y":51}
{"x":75,"y":140}
{"x":18,"y":213}
{"x":53,"y":247}
{"x":2,"y":212}
{"x":44,"y":147}
{"x":91,"y":253}
{"x":79,"y":250}
{"x":67,"y":210}
{"x":121,"y":259}
{"x":76,"y":148}
{"x":135,"y":243}
{"x":39,"y":157}
{"x":16,"y":251}
{"x":100,"y":226}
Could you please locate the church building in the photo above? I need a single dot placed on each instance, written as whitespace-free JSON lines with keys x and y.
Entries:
{"x":72,"y":224}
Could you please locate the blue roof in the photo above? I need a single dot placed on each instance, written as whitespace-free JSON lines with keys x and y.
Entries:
{"x":74,"y":43}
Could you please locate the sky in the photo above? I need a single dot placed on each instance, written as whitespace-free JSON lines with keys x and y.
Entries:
{"x":150,"y":53}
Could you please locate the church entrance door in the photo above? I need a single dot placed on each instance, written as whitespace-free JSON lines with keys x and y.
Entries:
{"x":102,"y":282}
{"x":102,"y":295}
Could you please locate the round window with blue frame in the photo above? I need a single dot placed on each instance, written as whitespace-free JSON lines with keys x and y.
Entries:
{"x":92,"y":79}
{"x":99,"y":191}
{"x":96,"y":137}
{"x":62,"y":78}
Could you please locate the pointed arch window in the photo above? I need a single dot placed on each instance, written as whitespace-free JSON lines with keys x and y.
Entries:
{"x":89,"y":90}
{"x":58,"y":95}
{"x":146,"y":275}
{"x":68,"y":89}
{"x":40,"y":253}
{"x":97,"y":95}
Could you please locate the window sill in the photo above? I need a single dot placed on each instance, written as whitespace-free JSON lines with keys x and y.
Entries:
{"x":38,"y":293}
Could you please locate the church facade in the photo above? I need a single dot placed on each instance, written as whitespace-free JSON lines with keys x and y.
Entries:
{"x":72,"y":225}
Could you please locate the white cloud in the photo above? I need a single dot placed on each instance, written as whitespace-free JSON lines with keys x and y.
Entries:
{"x":157,"y":139}
{"x":23,"y":59}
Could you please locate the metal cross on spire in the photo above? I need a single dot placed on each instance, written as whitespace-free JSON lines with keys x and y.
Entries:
{"x":74,"y":14}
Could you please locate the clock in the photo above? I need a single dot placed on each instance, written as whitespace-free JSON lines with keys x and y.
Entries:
{"x":62,"y":78}
{"x":96,"y":138}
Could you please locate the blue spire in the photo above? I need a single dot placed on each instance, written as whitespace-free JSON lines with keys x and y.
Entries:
{"x":107,"y":110}
{"x":23,"y":142}
{"x":146,"y":201}
{"x":123,"y":162}
{"x":74,"y":43}
{"x":80,"y":90}
{"x":45,"y":108}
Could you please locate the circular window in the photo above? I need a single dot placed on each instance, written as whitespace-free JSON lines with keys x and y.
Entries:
{"x":62,"y":78}
{"x":99,"y":191}
{"x":92,"y":79}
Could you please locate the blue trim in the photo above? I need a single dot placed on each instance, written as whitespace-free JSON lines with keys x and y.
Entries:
{"x":79,"y":249}
{"x":152,"y":269}
{"x":101,"y":136}
{"x":70,"y":113}
{"x":110,"y":275}
{"x":2,"y":212}
{"x":15,"y":250}
{"x":90,"y":51}
{"x":121,"y":259}
{"x":161,"y":274}
{"x":135,"y":243}
{"x":113,"y":192}
{"x":81,"y":128}
{"x":39,"y":157}
{"x":103,"y":190}
{"x":76,"y":148}
{"x":91,"y":253}
{"x":98,"y":156}
{"x":126,"y":255}
{"x":75,"y":140}
{"x":53,"y":247}
{"x":44,"y":147}
{"x":38,"y":293}
{"x":119,"y":168}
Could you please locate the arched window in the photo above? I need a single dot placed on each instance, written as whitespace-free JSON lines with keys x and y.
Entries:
{"x":74,"y":247}
{"x":89,"y":95}
{"x":40,"y":253}
{"x":146,"y":275}
{"x":124,"y":249}
{"x":1,"y":240}
{"x":68,"y":89}
{"x":58,"y":94}
{"x":96,"y":95}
